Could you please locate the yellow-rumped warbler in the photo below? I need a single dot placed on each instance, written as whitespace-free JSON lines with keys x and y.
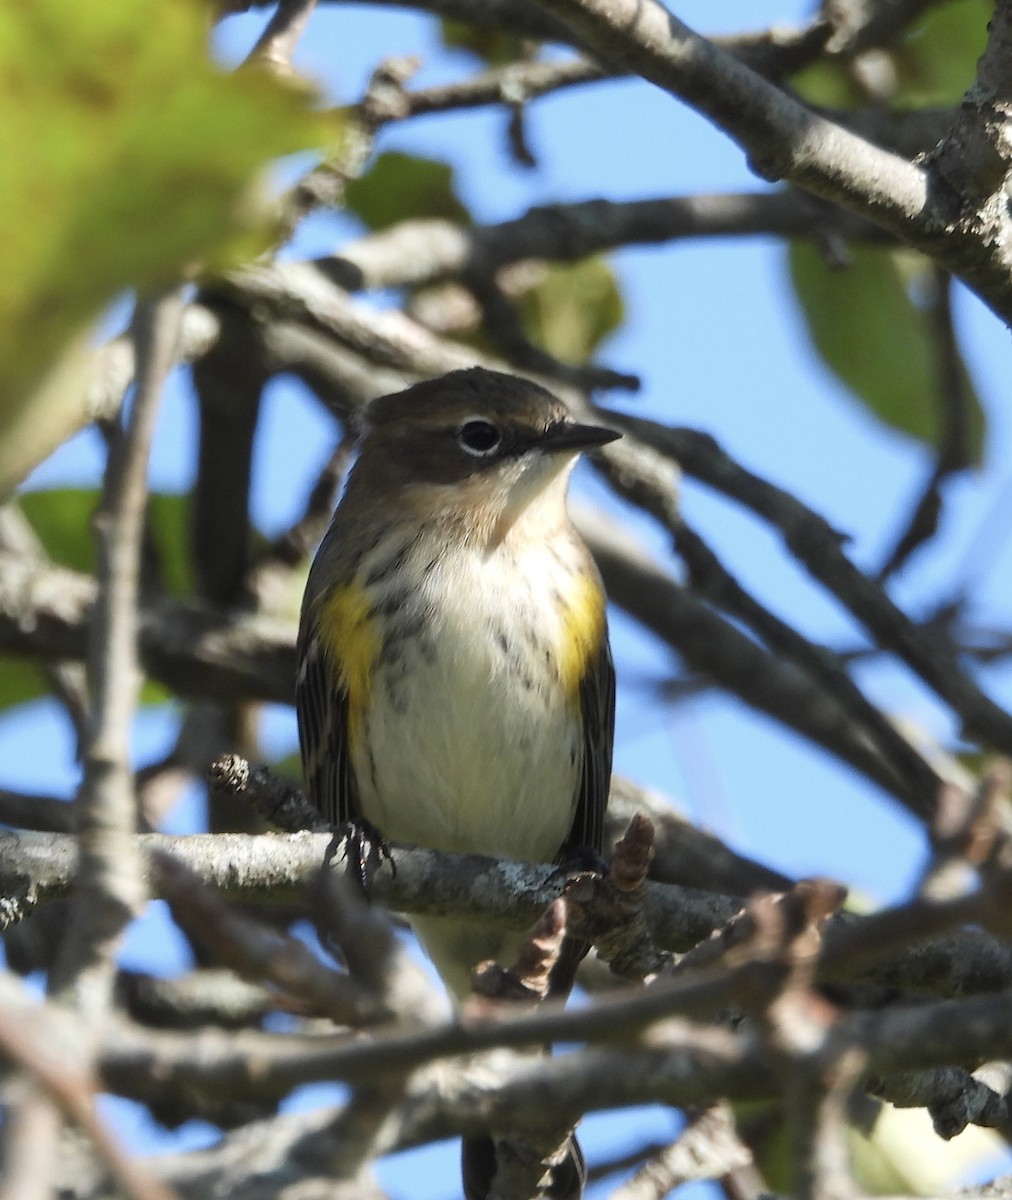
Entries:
{"x":455,"y":687}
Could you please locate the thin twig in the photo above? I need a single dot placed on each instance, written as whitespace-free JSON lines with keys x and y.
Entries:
{"x":711,"y":577}
{"x":707,"y":1148}
{"x":912,"y":946}
{"x":110,"y":886}
{"x":953,"y":401}
{"x":138,"y":1062}
{"x":517,"y":83}
{"x":783,"y":138}
{"x":427,"y":251}
{"x":502,"y":323}
{"x":197,"y":651}
{"x":818,"y":547}
{"x":31,"y":1128}
{"x":950,"y":207}
{"x":710,"y":643}
{"x":277,"y":43}
{"x":47,"y":1044}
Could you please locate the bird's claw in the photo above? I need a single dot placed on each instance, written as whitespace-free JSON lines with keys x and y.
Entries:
{"x":363,"y":845}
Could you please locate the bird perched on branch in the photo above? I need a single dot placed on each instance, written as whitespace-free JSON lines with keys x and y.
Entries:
{"x":455,"y":687}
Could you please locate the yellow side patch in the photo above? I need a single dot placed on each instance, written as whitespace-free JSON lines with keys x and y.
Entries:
{"x":352,"y":644}
{"x":583,"y":627}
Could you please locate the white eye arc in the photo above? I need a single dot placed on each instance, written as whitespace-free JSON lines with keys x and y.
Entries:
{"x":479,"y":438}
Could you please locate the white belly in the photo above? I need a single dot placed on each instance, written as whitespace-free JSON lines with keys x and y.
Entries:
{"x":469,"y":741}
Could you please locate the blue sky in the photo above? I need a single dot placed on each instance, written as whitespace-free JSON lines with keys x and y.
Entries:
{"x":714,"y":332}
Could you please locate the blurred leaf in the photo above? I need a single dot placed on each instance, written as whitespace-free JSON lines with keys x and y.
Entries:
{"x":879,"y":1171}
{"x":873,"y":337}
{"x":61,"y":517}
{"x":289,"y":767}
{"x":903,"y":1154}
{"x":573,"y":308}
{"x":32,"y":426}
{"x":937,"y":61}
{"x":827,"y":83}
{"x":494,"y":46}
{"x":20,"y":681}
{"x":762,"y":1127}
{"x":285,"y":603}
{"x":169,"y":518}
{"x":128,"y":158}
{"x":976,"y":762}
{"x":398,"y":186}
{"x":934,"y":63}
{"x":153,"y":693}
{"x":62,"y":520}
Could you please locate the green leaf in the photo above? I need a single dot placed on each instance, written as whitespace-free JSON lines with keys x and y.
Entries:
{"x":936,"y":62}
{"x":493,"y":46}
{"x":20,"y":682}
{"x":933,"y":64}
{"x":62,"y":519}
{"x":289,"y":767}
{"x":398,"y":186}
{"x":153,"y":693}
{"x":573,"y":308}
{"x":827,"y":83}
{"x":128,"y":159}
{"x":169,"y":525}
{"x":877,"y":342}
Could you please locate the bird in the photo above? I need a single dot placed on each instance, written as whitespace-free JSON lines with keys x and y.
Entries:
{"x":455,"y":687}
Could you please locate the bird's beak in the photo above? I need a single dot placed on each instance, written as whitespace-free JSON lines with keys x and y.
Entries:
{"x":567,"y":436}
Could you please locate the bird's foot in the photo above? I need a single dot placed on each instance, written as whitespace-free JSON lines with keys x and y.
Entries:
{"x":363,"y":845}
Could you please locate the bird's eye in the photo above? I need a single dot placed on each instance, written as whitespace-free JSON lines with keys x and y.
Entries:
{"x":479,"y":438}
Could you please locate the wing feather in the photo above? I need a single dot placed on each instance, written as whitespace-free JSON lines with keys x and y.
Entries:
{"x":321,"y":706}
{"x":597,"y":704}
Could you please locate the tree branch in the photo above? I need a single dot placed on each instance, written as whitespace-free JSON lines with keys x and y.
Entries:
{"x":197,"y":651}
{"x":911,"y":946}
{"x":817,"y":545}
{"x":277,"y":43}
{"x":782,"y":138}
{"x":415,"y":253}
{"x":716,"y":647}
{"x":785,"y":140}
{"x":109,"y":889}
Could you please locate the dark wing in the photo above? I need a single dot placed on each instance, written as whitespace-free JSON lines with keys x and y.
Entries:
{"x":321,"y":706}
{"x":597,"y":704}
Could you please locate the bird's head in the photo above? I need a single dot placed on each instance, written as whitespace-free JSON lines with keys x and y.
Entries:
{"x":475,"y":450}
